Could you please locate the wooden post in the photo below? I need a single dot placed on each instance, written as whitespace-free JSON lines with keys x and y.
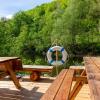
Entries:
{"x":56,"y":60}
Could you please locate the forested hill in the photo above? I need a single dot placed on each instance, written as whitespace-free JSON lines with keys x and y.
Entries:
{"x":74,"y":23}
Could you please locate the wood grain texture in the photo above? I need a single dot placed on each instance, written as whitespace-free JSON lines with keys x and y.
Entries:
{"x":64,"y":91}
{"x":39,"y":68}
{"x":7,"y":65}
{"x":33,"y":90}
{"x":77,"y":87}
{"x":12,"y":75}
{"x":53,"y":89}
{"x":60,"y":89}
{"x":92,"y":65}
{"x":4,"y":59}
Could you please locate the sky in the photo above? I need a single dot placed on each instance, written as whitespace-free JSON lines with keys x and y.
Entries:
{"x":9,"y":7}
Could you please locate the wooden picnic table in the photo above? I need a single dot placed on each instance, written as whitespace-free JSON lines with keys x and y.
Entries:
{"x":10,"y":65}
{"x":92,"y":65}
{"x":7,"y":66}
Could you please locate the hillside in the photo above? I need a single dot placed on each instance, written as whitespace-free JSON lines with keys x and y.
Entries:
{"x":74,"y":23}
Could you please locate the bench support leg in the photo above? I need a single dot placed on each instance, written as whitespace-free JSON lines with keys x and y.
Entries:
{"x":35,"y":75}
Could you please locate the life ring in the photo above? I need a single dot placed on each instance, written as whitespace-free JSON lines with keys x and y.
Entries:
{"x":59,"y":62}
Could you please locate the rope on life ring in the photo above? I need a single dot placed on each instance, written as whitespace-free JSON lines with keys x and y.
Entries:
{"x":58,"y":62}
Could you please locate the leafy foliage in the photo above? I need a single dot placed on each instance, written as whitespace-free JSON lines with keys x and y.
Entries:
{"x":74,"y":23}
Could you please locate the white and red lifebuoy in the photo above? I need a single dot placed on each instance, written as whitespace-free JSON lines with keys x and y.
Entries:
{"x":59,"y":62}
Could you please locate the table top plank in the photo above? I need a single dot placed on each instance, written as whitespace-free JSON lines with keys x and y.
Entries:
{"x":92,"y":65}
{"x":3,"y":59}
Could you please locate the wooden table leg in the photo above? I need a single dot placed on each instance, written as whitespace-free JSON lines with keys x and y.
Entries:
{"x":13,"y":75}
{"x":78,"y":85}
{"x":35,"y":75}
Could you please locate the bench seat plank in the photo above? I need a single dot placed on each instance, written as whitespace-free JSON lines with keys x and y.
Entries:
{"x":36,"y":68}
{"x":60,"y":88}
{"x":52,"y":90}
{"x":63,"y":93}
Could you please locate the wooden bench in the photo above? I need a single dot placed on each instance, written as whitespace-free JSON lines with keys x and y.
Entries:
{"x":10,"y":65}
{"x":35,"y":70}
{"x":60,"y":88}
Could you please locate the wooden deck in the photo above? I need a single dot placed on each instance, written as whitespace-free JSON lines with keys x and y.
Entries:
{"x":33,"y":90}
{"x":84,"y":93}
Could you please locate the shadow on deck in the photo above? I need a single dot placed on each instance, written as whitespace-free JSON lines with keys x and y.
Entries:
{"x":33,"y":90}
{"x":23,"y":94}
{"x":30,"y":90}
